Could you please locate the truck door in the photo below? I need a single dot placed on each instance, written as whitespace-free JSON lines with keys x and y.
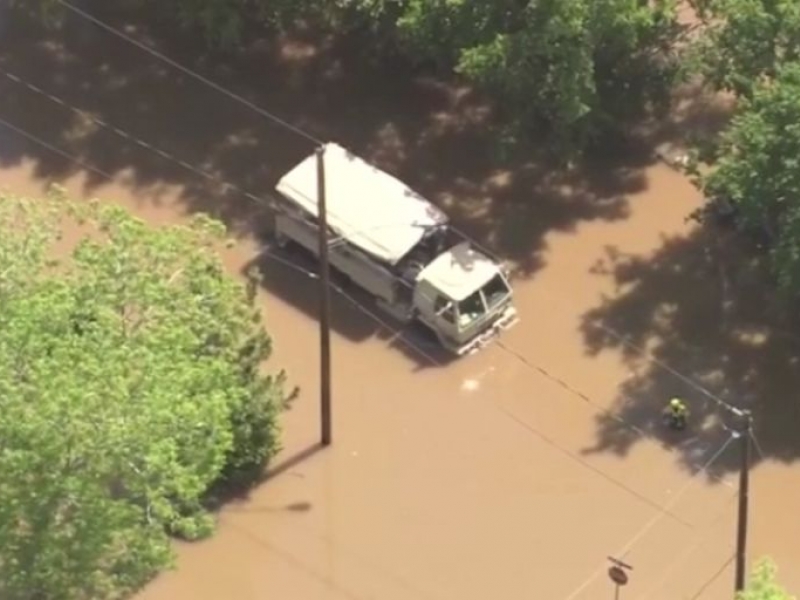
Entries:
{"x":446,"y":318}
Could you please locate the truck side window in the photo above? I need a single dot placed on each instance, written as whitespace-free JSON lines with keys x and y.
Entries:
{"x":445,"y":308}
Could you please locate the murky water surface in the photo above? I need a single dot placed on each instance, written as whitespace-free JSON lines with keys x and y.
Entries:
{"x":512,"y":473}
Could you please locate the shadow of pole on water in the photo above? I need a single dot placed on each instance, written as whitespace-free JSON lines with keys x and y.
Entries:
{"x":292,"y":461}
{"x":226,"y":493}
{"x":431,"y":131}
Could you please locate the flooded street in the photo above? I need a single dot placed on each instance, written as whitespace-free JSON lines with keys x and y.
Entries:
{"x":512,"y":473}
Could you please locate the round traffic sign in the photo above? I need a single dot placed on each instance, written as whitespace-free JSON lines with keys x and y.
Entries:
{"x":618,"y":576}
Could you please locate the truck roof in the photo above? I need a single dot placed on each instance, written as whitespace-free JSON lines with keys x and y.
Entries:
{"x":366,"y":206}
{"x":460,"y":271}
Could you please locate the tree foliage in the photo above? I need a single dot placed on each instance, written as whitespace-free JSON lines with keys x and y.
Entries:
{"x":751,"y":48}
{"x":566,"y":68}
{"x":758,"y":169}
{"x":763,"y":585}
{"x":129,"y":385}
{"x":746,"y":41}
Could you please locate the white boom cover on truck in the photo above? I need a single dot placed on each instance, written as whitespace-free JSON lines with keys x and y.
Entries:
{"x":366,"y":206}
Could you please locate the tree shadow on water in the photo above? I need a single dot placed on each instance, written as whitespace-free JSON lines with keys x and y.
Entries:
{"x":433,"y":132}
{"x":704,"y":307}
{"x":116,"y":83}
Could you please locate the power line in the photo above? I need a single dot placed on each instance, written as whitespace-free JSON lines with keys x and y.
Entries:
{"x":311,"y":138}
{"x":757,"y":445}
{"x":267,"y":253}
{"x":297,"y":130}
{"x":629,"y":546}
{"x":197,"y":76}
{"x":648,"y":356}
{"x":398,"y":334}
{"x":663,"y":511}
{"x":191,"y":73}
{"x":569,"y":388}
{"x":577,"y":393}
{"x":687,"y":380}
{"x":550,"y":442}
{"x":302,"y":133}
{"x":267,"y":203}
{"x":689,"y":550}
{"x":713,"y":578}
{"x":648,"y":526}
{"x":270,"y":203}
{"x":55,"y":149}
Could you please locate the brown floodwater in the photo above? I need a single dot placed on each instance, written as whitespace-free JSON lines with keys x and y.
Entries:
{"x":467,"y":480}
{"x":496,"y":476}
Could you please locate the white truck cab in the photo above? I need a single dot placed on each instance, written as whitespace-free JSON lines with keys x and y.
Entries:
{"x":461,"y":295}
{"x":397,"y":246}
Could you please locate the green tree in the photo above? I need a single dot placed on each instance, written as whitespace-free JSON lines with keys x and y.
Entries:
{"x":572,"y":68}
{"x":762,"y":584}
{"x":745,"y":41}
{"x":757,"y":169}
{"x":129,"y":386}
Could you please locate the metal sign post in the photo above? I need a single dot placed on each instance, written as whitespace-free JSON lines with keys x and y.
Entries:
{"x":618,"y":575}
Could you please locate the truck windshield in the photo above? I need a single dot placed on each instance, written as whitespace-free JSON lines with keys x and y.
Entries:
{"x":495,"y":291}
{"x":487,"y":298}
{"x":471,"y":308}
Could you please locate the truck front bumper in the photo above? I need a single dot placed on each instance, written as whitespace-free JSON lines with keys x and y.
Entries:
{"x":507,"y":319}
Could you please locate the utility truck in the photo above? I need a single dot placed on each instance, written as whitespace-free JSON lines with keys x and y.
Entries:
{"x":394,"y":244}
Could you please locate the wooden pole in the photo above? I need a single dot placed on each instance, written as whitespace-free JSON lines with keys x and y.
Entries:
{"x":744,"y":490}
{"x":325,"y":303}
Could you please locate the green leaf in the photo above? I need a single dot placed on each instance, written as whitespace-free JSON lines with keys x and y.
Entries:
{"x":130,"y":388}
{"x":757,"y":169}
{"x":762,"y":584}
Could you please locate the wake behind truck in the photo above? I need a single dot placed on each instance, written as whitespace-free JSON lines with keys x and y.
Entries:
{"x":398,"y":247}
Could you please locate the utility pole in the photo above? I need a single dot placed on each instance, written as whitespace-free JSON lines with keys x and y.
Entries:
{"x":744,"y":489}
{"x":325,"y":303}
